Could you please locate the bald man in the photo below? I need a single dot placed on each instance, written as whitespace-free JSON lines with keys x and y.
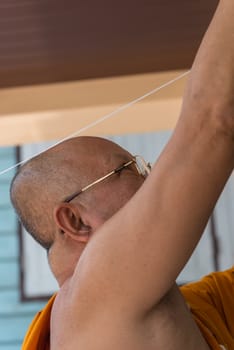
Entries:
{"x":117,"y":240}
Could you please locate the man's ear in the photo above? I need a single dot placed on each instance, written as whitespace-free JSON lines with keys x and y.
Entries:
{"x":69,"y":221}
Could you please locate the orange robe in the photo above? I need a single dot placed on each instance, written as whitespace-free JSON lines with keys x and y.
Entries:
{"x":38,"y":334}
{"x":211,"y":303}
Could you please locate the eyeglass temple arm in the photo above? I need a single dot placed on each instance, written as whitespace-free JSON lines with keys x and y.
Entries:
{"x":115,"y":171}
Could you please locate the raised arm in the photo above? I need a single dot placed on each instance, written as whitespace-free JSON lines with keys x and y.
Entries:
{"x":134,"y":259}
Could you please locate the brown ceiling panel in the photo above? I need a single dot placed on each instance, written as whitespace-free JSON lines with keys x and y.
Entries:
{"x":43,"y":41}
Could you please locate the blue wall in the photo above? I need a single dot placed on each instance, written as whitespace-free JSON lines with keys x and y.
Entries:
{"x":15,"y":316}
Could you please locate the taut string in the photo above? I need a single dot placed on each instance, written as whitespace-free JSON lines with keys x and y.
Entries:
{"x":100,"y":120}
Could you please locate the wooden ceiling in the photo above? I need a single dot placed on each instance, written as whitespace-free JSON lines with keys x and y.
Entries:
{"x":46,"y":41}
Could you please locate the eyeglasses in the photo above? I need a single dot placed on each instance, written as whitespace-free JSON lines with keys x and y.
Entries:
{"x":142,"y":167}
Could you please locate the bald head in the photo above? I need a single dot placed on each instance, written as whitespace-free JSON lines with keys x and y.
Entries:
{"x":50,"y":177}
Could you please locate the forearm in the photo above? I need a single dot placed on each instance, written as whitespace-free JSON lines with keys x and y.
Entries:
{"x":203,"y":142}
{"x":211,"y":83}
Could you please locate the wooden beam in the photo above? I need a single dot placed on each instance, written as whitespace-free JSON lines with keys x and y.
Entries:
{"x":47,"y":41}
{"x":46,"y":112}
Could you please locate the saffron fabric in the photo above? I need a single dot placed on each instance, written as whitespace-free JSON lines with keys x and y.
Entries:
{"x":211,"y":302}
{"x":38,"y":334}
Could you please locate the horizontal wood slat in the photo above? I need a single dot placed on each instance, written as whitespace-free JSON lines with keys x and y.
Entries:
{"x":9,"y":274}
{"x":12,"y":329}
{"x":8,"y":221}
{"x":49,"y":41}
{"x":9,"y":246}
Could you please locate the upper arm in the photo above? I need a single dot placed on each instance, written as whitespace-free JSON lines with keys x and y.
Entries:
{"x":135,"y":257}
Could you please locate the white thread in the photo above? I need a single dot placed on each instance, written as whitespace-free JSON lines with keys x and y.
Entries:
{"x":100,"y":120}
